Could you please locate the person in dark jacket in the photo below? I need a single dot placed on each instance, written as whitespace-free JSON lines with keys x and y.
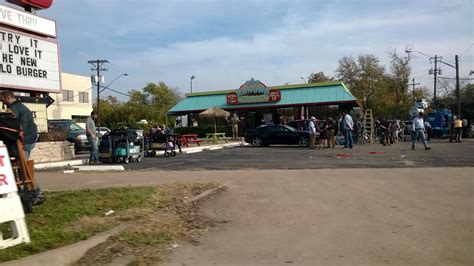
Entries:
{"x":29,"y":130}
{"x":28,"y":126}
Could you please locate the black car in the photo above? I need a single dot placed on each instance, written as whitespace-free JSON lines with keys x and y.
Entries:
{"x":74,"y":133}
{"x":276,"y":134}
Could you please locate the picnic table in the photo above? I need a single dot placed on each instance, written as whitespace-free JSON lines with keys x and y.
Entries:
{"x":216,"y":137}
{"x":186,"y":139}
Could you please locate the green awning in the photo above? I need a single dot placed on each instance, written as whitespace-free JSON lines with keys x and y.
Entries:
{"x":325,"y":93}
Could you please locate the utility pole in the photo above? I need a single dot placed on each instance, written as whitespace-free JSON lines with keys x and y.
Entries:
{"x":458,"y":98}
{"x":97,"y":66}
{"x":435,"y":77}
{"x":413,"y":89}
{"x":435,"y":71}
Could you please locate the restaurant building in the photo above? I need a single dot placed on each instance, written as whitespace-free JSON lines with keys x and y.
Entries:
{"x":260,"y":104}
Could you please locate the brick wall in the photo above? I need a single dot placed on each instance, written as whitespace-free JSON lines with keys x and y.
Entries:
{"x":52,"y":151}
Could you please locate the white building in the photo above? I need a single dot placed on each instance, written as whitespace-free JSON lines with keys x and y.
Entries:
{"x":75,"y":101}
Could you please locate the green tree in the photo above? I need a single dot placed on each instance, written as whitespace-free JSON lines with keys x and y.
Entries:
{"x":466,"y":94}
{"x":319,"y":77}
{"x":150,"y":103}
{"x":365,"y":78}
{"x":399,"y":100}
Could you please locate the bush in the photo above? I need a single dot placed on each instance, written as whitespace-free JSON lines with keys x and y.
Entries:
{"x":203,"y":130}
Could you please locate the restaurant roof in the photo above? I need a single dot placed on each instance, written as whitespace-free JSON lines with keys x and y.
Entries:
{"x":323,"y":93}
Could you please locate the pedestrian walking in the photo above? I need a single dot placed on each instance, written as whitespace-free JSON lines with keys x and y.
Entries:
{"x":322,"y":125}
{"x":331,"y":124}
{"x":458,"y":129}
{"x":419,"y":131}
{"x":91,"y":134}
{"x":385,"y":126}
{"x":234,"y":120}
{"x":464,"y":127}
{"x":312,"y":132}
{"x":348,"y":127}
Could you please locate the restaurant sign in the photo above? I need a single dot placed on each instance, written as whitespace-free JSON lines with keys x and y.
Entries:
{"x":253,"y":91}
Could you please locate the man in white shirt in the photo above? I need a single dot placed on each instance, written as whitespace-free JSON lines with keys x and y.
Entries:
{"x":348,"y":126}
{"x":312,"y":132}
{"x":418,"y":129}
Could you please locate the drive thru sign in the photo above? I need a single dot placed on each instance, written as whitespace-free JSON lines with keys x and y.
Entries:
{"x":7,"y":180}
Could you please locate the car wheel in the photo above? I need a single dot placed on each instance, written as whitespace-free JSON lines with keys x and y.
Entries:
{"x":257,"y":142}
{"x":76,"y":148}
{"x":303,"y":141}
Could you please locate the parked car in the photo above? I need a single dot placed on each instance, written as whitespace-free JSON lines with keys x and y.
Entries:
{"x":103,"y":130}
{"x":74,"y":133}
{"x":276,"y":134}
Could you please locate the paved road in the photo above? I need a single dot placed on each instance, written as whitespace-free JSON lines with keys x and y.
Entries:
{"x":290,"y":157}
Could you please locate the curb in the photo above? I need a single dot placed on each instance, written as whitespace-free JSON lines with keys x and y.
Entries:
{"x":100,"y":167}
{"x":42,"y":166}
{"x":79,"y":162}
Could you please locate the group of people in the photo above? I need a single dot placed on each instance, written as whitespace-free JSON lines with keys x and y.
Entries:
{"x":390,"y":130}
{"x":327,"y":128}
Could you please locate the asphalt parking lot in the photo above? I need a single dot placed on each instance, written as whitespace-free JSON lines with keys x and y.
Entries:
{"x":442,"y":154}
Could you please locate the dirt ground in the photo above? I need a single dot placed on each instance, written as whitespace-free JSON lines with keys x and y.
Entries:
{"x":394,"y":216}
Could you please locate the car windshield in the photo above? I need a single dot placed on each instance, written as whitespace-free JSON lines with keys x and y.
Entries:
{"x":75,"y":127}
{"x":289,"y":128}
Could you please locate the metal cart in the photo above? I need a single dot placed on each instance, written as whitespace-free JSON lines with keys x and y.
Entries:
{"x":162,"y":142}
{"x":121,"y":146}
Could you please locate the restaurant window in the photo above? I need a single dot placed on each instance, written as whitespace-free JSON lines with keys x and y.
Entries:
{"x":68,"y":96}
{"x":83,"y":97}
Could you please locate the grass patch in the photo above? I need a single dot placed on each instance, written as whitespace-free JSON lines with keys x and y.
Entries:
{"x":153,"y":214}
{"x":66,"y":217}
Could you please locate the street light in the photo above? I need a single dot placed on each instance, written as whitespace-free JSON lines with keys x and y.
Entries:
{"x":192,"y":77}
{"x":117,"y":77}
{"x":303,"y":80}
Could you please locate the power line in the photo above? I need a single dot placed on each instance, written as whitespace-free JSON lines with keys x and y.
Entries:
{"x":466,"y":49}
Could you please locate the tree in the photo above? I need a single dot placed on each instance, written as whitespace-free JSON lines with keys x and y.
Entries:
{"x":319,"y":77}
{"x":150,"y":103}
{"x":348,"y":71}
{"x":397,"y":84}
{"x":365,"y":77}
{"x":466,"y":101}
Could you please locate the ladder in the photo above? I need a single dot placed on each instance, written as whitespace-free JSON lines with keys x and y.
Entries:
{"x":368,"y":131}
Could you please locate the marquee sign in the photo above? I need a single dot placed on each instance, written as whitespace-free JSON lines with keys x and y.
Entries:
{"x":27,"y":21}
{"x":28,"y":62}
{"x":253,"y":91}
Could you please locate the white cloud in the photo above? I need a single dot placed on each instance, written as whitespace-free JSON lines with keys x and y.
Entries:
{"x":173,"y":40}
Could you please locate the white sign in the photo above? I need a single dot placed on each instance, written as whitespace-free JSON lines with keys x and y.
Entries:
{"x":28,"y":62}
{"x":27,"y":21}
{"x":7,"y":180}
{"x":40,"y":115}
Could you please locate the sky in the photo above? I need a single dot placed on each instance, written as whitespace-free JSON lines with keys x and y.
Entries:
{"x":224,"y":43}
